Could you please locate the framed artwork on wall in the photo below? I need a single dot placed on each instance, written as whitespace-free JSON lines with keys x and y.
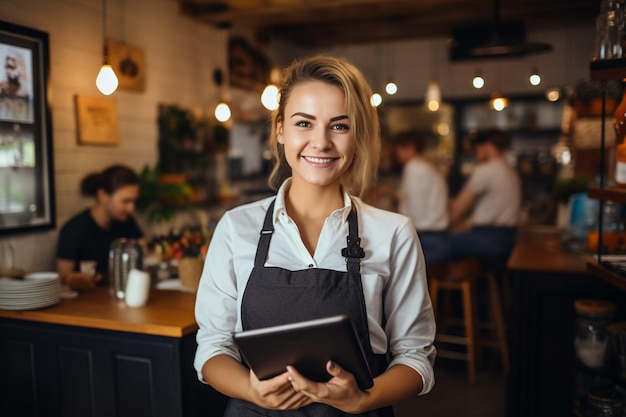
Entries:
{"x":96,"y":119}
{"x":129,"y":65}
{"x":26,"y":154}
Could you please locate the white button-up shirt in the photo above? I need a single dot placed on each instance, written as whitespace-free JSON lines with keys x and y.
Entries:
{"x":393,"y":272}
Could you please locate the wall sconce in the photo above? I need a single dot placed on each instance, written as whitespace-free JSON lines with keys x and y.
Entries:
{"x":433,"y":95}
{"x":534,"y":78}
{"x":498,"y":102}
{"x":106,"y":81}
{"x":478,"y":81}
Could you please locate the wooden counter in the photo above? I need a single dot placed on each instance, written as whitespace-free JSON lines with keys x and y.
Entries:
{"x":168,"y":313}
{"x":541,"y":250}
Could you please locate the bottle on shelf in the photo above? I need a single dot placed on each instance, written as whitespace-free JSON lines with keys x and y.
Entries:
{"x":609,"y":30}
{"x":620,"y":140}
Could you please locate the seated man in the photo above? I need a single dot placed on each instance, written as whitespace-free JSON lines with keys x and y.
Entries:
{"x":491,"y":199}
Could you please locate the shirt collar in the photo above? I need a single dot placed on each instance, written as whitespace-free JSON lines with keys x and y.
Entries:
{"x":280,"y":207}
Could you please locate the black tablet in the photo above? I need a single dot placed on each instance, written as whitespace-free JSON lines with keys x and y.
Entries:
{"x":307,"y":346}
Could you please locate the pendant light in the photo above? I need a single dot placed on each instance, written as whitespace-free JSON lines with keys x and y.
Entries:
{"x":269,"y":97}
{"x":433,"y":95}
{"x":433,"y":92}
{"x":106,"y":81}
{"x":534,"y":78}
{"x":498,"y":102}
{"x":478,"y":81}
{"x":222,"y":110}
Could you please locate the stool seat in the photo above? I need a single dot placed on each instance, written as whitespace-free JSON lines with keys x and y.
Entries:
{"x":461,"y":275}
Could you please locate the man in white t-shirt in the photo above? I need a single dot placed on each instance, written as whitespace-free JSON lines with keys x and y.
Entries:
{"x":423,"y":196}
{"x":490,"y":201}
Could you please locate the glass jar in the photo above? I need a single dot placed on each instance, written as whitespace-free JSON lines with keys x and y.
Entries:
{"x":609,"y":30}
{"x":604,"y":403}
{"x":591,"y":341}
{"x":124,"y":255}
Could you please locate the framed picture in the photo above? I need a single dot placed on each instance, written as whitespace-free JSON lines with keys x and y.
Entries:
{"x":97,"y":120}
{"x":129,"y":65}
{"x":26,"y":162}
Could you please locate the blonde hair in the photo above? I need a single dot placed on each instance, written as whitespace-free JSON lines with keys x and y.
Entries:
{"x":365,"y":125}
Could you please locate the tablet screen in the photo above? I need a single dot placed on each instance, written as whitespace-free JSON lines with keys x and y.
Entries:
{"x":307,"y":346}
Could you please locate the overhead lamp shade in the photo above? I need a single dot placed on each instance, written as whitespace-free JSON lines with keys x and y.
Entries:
{"x":222,"y":112}
{"x":433,"y":95}
{"x":269,"y":97}
{"x":107,"y":81}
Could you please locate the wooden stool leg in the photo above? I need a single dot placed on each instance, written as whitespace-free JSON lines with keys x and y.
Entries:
{"x":470,"y":329}
{"x":495,"y":307}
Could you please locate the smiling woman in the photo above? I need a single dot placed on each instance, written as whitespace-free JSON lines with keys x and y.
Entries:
{"x":321,"y":252}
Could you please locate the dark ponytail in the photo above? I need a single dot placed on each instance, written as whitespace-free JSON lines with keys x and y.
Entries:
{"x":110,"y":180}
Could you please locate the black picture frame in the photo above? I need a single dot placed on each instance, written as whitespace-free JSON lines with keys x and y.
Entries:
{"x":26,"y":154}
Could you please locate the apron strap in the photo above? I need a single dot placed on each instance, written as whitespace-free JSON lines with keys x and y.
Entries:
{"x":353,"y":252}
{"x":266,"y":236}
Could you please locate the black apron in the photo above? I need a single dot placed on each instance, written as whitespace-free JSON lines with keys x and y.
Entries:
{"x":275,"y":296}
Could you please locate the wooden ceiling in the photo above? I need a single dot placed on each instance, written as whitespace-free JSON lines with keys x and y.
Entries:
{"x":332,"y":22}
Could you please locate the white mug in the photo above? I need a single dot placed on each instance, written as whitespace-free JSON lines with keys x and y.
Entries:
{"x":137,"y":288}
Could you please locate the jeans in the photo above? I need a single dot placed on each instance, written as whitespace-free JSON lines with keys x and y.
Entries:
{"x":435,"y":245}
{"x":491,"y":244}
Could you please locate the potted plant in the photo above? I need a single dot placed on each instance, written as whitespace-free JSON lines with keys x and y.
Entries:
{"x":160,"y":199}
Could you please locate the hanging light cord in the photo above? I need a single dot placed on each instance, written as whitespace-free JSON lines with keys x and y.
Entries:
{"x":105,"y":54}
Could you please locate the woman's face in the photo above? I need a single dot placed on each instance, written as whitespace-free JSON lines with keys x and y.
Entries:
{"x":121,"y":203}
{"x":316,"y":134}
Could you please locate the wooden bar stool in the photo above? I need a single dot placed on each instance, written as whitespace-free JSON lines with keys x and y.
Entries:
{"x":461,"y":275}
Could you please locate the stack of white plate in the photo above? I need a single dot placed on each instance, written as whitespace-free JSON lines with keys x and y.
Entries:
{"x":36,"y":290}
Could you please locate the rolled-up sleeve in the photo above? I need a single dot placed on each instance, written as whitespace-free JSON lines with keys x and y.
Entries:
{"x":410,"y":324}
{"x":216,"y":299}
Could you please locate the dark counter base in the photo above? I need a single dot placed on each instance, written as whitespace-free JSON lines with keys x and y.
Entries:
{"x":51,"y":370}
{"x":542,"y":338}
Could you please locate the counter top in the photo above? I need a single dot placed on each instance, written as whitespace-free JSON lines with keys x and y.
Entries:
{"x":541,"y":250}
{"x":168,"y":313}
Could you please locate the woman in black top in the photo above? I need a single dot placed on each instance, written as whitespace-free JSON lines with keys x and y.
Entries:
{"x":85,"y":239}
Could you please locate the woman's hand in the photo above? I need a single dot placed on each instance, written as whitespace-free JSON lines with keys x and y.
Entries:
{"x":341,"y":391}
{"x":276,"y":393}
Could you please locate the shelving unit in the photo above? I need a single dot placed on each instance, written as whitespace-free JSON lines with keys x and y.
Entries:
{"x":604,"y":71}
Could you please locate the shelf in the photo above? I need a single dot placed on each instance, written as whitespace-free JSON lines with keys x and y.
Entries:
{"x":608,"y":193}
{"x":607,"y":70}
{"x":604,"y":273}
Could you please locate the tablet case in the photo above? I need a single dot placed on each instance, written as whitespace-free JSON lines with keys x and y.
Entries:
{"x":307,"y":346}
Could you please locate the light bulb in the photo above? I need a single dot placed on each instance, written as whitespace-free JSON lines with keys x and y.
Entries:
{"x":106,"y":81}
{"x":433,"y":95}
{"x":269,"y":98}
{"x":478,"y":82}
{"x":535,"y":79}
{"x":391,"y":88}
{"x":222,"y":112}
{"x":376,"y":100}
{"x":553,"y":94}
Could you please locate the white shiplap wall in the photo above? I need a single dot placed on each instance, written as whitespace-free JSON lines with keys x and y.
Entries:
{"x":180,"y":58}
